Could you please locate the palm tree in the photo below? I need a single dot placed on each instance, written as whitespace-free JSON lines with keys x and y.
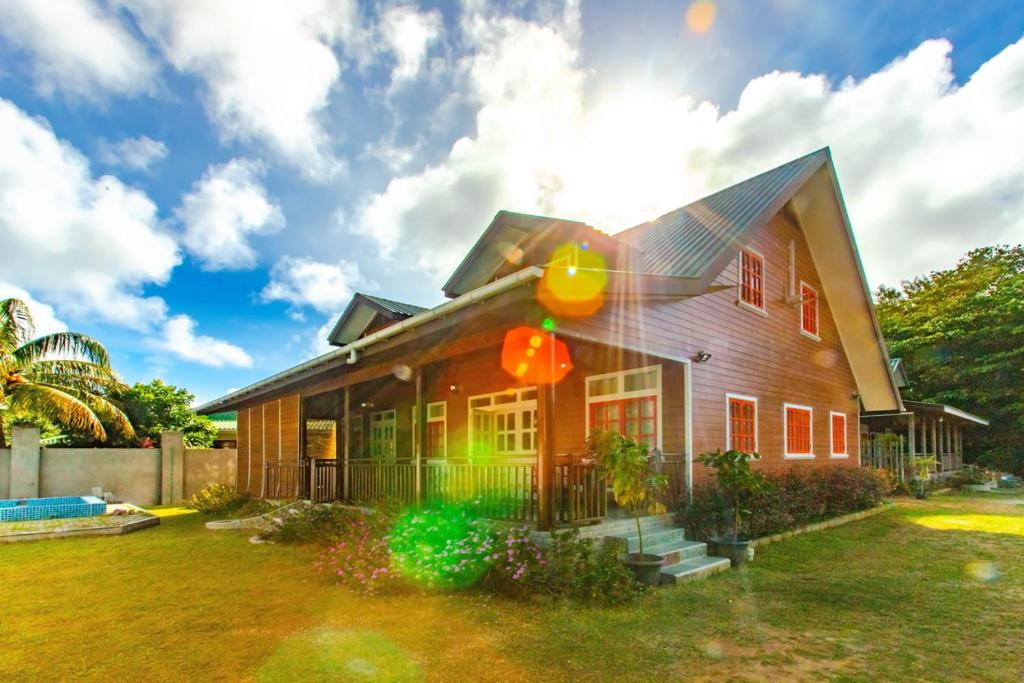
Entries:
{"x":63,"y":376}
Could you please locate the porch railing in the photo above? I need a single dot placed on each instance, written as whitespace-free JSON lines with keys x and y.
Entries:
{"x":375,"y":481}
{"x":505,"y":491}
{"x":285,"y":480}
{"x":674,"y":466}
{"x":580,"y":495}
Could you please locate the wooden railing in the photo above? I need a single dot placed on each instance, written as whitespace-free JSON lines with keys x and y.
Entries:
{"x":579,"y":496}
{"x":674,"y":466}
{"x":285,"y":480}
{"x":324,"y":480}
{"x":377,"y":481}
{"x":506,"y":492}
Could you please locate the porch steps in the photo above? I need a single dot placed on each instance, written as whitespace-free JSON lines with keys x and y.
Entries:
{"x":683,"y":560}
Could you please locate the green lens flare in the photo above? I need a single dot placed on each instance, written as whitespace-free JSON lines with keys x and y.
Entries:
{"x":548,"y":325}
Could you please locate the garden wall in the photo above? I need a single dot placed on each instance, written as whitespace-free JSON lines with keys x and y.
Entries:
{"x":143,"y":476}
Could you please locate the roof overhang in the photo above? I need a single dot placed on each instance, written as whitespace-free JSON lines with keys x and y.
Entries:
{"x":942,"y":409}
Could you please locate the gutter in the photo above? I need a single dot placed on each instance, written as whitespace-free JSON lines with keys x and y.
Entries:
{"x":352,"y":350}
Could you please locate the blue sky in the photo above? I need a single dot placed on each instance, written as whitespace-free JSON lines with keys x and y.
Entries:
{"x":203,"y":185}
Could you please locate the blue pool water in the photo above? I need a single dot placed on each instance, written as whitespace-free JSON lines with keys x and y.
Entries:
{"x":18,"y":510}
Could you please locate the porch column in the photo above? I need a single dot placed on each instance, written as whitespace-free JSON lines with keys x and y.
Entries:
{"x":934,"y":437}
{"x":911,"y":435}
{"x":545,"y":456}
{"x":949,"y":442}
{"x":959,"y":447}
{"x":347,"y":444}
{"x":421,"y":433}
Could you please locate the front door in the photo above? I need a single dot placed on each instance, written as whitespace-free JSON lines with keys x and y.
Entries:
{"x":382,"y":436}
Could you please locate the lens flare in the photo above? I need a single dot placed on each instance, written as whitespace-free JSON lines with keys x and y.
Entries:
{"x":982,"y":571}
{"x":535,"y":357}
{"x":700,"y":16}
{"x":443,"y":546}
{"x":574,"y":281}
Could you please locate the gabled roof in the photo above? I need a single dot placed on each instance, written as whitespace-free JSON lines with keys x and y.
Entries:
{"x":899,"y":372}
{"x":688,"y":241}
{"x":362,"y":312}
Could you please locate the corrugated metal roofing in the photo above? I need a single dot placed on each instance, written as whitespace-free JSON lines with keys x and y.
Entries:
{"x":684,"y":242}
{"x":395,"y":306}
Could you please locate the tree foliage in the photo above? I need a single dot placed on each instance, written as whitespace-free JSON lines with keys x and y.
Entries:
{"x":157,"y":407}
{"x":62,"y":378}
{"x":961,"y":334}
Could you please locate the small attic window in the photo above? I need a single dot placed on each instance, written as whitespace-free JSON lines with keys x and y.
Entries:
{"x":751,"y":281}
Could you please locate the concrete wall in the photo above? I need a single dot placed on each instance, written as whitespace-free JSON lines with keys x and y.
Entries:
{"x":5,"y":473}
{"x":144,"y":476}
{"x":204,"y":467}
{"x":131,"y":474}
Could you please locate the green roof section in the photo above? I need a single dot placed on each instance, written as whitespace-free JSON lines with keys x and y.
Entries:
{"x":687,"y":241}
{"x":225,"y":422}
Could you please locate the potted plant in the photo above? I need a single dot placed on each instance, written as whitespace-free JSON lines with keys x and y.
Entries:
{"x":636,"y":486}
{"x":738,"y":482}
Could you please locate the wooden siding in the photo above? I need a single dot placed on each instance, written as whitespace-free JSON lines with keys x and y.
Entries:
{"x":753,"y":354}
{"x":268,"y":432}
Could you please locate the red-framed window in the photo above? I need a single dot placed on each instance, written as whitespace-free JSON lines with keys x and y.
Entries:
{"x":633,"y":417}
{"x":742,"y":425}
{"x":798,"y":430}
{"x":752,"y":278}
{"x":838,"y":434}
{"x":808,"y":309}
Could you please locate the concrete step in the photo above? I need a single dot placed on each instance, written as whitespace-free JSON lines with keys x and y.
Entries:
{"x":617,"y":527}
{"x":651,"y":538}
{"x":678,"y":551}
{"x":696,"y":568}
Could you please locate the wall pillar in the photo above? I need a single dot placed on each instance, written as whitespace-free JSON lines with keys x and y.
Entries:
{"x":347,"y":446}
{"x":421,"y":432}
{"x":24,"y":462}
{"x":172,"y":467}
{"x":911,"y":435}
{"x":545,"y":456}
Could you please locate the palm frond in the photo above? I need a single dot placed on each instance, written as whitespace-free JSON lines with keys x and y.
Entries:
{"x":16,"y":325}
{"x":106,"y":410}
{"x":79,"y":371}
{"x":58,"y":406}
{"x":63,"y":345}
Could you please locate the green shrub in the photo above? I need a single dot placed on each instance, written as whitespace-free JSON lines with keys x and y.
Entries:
{"x":315,"y":523}
{"x":217,"y":499}
{"x":1004,"y":460}
{"x":970,"y":475}
{"x":788,"y":500}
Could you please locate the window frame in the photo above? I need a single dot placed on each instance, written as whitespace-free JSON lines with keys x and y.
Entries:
{"x":787,"y":454}
{"x":517,"y":406}
{"x":729,"y":398}
{"x":621,"y":395}
{"x":443,"y":420}
{"x":380,"y":414}
{"x":832,"y":437}
{"x":816,"y":334}
{"x":763,"y":308}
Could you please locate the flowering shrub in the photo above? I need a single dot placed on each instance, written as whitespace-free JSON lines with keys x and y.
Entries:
{"x":445,"y":546}
{"x":217,"y":498}
{"x":360,"y":559}
{"x":787,"y":500}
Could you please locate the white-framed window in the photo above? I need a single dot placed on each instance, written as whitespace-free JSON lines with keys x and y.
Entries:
{"x":503,"y":423}
{"x":628,"y":402}
{"x":840,"y":447}
{"x":382,"y":436}
{"x":798,"y":430}
{"x":741,"y":423}
{"x":437,"y":430}
{"x":809,"y":321}
{"x":751,"y":287}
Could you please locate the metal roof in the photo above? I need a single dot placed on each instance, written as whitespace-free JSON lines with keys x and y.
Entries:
{"x":395,"y":306}
{"x":685,"y":242}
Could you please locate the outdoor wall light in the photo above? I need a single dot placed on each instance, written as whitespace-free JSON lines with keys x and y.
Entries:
{"x":702,"y":356}
{"x":454,"y":388}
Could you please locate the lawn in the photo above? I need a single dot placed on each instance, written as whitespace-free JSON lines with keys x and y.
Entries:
{"x":926,"y":590}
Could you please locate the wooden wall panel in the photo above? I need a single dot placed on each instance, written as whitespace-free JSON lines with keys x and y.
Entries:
{"x":256,"y":431}
{"x":290,"y":439}
{"x":272,"y":431}
{"x":244,"y":445}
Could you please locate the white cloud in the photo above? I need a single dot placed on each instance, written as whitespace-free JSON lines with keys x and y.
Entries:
{"x":409,"y":34}
{"x":269,"y":67}
{"x":227,"y":206}
{"x":86,"y":244}
{"x":77,"y":48}
{"x":137,"y":154}
{"x":43,"y":316}
{"x":179,"y":338}
{"x":921,"y":160}
{"x":327,"y":287}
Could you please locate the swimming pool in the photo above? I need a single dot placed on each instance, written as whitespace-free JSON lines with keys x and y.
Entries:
{"x":21,"y":509}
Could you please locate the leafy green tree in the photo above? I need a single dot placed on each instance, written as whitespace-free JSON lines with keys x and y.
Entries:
{"x":157,"y":407}
{"x":961,"y":333}
{"x":63,"y":378}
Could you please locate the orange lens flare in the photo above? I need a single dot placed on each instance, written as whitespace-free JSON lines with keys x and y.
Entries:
{"x":535,"y":357}
{"x":574,"y":281}
{"x":700,"y":16}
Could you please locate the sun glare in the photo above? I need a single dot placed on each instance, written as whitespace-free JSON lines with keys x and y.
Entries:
{"x":700,"y":16}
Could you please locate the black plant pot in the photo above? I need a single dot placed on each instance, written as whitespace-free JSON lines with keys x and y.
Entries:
{"x":646,"y":568}
{"x":738,"y":551}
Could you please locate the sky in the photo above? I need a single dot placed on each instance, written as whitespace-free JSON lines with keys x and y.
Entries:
{"x":203,"y":185}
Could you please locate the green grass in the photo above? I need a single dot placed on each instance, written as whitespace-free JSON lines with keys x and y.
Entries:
{"x":930,"y":590}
